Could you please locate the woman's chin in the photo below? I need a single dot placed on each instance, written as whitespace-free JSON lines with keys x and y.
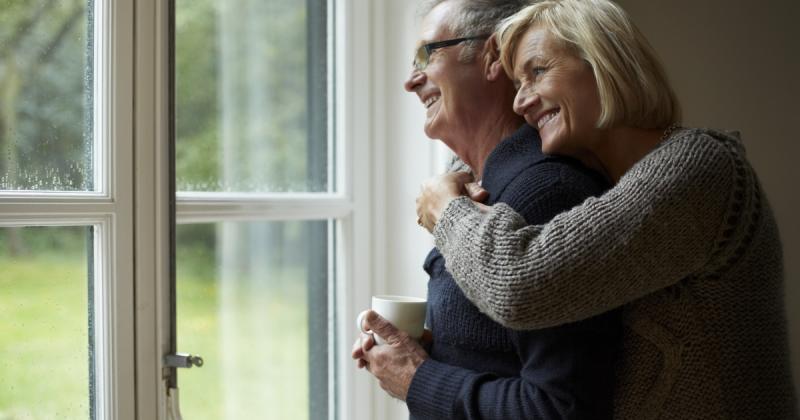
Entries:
{"x":549,"y":145}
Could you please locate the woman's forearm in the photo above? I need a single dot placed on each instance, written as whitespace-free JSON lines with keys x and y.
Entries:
{"x":650,"y":231}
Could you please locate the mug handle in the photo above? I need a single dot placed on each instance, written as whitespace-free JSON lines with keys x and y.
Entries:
{"x":360,"y":322}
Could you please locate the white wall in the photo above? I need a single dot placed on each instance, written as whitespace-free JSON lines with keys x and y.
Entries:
{"x":408,"y":156}
{"x":734,"y":64}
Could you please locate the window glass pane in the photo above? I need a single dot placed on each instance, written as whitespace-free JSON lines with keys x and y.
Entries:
{"x":45,"y":95}
{"x":252,"y":301}
{"x":251,"y":96}
{"x":45,"y":372}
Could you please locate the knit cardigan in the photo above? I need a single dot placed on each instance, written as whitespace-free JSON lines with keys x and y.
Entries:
{"x":686,"y":244}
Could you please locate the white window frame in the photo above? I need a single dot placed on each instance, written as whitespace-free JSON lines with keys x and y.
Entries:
{"x":109,"y":210}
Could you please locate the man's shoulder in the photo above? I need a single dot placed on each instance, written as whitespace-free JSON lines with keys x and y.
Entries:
{"x":551,"y":186}
{"x":556,"y":173}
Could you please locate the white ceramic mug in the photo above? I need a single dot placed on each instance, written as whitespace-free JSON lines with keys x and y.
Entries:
{"x":407,"y":313}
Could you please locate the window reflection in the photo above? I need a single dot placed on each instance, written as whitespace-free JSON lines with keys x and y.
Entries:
{"x":252,"y":300}
{"x":251,"y":96}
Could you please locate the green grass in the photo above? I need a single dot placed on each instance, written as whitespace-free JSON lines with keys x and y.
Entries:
{"x":44,"y":367}
{"x":251,"y":334}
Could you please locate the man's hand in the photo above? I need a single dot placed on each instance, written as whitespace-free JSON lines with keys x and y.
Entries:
{"x":393,"y":363}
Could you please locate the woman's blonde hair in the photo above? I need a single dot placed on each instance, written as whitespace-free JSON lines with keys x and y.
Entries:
{"x":631,"y":81}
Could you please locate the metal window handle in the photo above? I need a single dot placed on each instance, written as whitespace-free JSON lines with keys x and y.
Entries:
{"x":182,"y":360}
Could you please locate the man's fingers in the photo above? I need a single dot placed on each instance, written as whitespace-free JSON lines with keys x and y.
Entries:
{"x":357,"y":351}
{"x":379,"y":325}
{"x":367,"y":342}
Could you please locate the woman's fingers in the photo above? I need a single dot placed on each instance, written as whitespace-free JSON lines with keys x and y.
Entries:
{"x":436,"y":193}
{"x":476,"y":192}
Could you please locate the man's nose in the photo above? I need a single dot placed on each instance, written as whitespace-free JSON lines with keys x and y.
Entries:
{"x":415,"y":79}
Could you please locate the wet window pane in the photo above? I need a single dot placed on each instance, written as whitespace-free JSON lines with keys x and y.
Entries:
{"x":252,"y":300}
{"x":45,"y":96}
{"x":45,"y":370}
{"x":251,"y":96}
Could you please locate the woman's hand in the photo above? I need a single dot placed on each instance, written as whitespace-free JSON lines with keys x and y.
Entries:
{"x":393,"y":363}
{"x":436,"y":193}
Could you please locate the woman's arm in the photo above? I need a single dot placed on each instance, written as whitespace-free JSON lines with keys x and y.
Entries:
{"x":657,"y":226}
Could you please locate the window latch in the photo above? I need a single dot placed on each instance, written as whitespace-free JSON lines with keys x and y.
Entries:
{"x":182,"y":360}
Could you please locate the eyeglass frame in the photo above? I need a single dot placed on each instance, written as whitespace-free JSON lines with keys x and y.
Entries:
{"x":430,"y":47}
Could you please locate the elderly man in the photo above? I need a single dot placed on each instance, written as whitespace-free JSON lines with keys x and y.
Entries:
{"x":475,"y":368}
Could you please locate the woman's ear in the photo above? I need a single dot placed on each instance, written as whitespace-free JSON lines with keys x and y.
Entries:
{"x":493,"y":67}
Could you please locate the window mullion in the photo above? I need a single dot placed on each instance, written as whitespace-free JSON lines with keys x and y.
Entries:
{"x":198,"y":211}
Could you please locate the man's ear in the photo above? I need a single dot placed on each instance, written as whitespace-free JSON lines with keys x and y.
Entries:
{"x":492,"y":66}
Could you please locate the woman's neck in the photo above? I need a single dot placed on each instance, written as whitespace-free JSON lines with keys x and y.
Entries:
{"x":622,"y":148}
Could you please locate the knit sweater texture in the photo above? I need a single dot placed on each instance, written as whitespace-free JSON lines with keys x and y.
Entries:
{"x":685,"y":244}
{"x":481,"y":370}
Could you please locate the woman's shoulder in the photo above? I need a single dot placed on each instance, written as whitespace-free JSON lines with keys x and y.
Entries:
{"x":704,"y":143}
{"x":695,"y":153}
{"x":694,"y":171}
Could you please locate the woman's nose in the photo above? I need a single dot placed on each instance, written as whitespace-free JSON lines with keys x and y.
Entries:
{"x":415,"y":79}
{"x":524,"y":100}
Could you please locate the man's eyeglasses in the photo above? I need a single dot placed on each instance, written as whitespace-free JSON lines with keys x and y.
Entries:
{"x":424,"y":52}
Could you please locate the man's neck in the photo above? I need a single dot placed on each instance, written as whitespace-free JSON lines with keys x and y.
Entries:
{"x":484,"y":139}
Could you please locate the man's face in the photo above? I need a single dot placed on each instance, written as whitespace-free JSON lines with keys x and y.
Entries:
{"x":450,"y":90}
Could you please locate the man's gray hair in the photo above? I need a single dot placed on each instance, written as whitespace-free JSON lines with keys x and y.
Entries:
{"x":474,"y":17}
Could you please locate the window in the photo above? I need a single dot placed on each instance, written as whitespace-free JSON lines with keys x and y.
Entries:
{"x":65,"y":221}
{"x":271,"y":168}
{"x":258,"y":208}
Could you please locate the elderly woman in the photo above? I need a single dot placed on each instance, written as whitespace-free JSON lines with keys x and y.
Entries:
{"x":685,"y":242}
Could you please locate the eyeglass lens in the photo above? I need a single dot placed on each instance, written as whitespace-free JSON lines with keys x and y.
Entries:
{"x":421,"y":59}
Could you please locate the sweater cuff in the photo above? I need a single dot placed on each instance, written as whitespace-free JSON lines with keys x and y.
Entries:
{"x":434,"y":390}
{"x":444,"y":232}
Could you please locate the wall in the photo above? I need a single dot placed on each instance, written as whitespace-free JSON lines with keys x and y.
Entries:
{"x":734,"y":65}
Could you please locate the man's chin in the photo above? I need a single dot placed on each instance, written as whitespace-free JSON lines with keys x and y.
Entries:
{"x":430,"y":131}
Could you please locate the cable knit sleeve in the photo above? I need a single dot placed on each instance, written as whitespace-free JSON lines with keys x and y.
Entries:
{"x":658,"y":225}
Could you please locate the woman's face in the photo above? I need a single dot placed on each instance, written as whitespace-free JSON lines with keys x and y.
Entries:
{"x":557,"y":93}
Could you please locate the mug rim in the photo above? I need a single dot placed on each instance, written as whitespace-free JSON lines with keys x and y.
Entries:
{"x":400,"y":298}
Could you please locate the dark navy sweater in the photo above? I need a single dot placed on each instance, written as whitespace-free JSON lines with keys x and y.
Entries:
{"x":481,"y":370}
